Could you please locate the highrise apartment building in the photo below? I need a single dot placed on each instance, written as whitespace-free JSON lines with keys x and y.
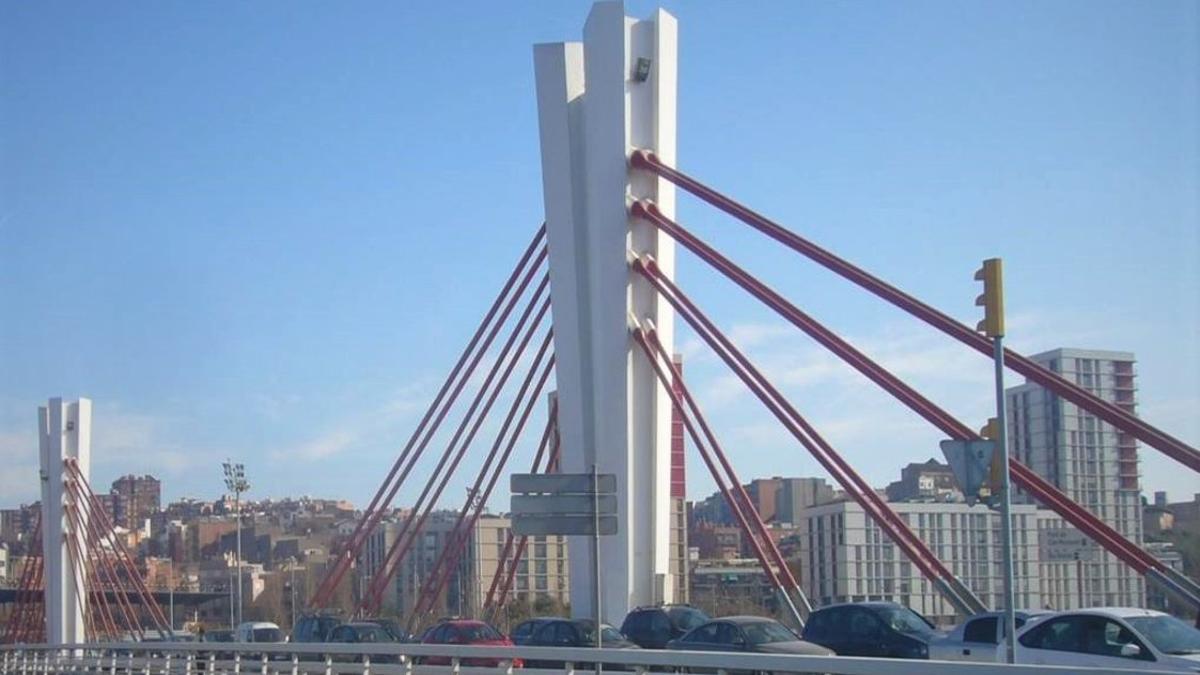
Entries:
{"x":1090,"y":461}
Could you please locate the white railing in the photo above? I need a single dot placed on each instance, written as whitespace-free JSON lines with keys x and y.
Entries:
{"x":216,"y":658}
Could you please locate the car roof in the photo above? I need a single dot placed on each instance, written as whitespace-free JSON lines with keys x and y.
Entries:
{"x":745,"y":618}
{"x":466,"y":622}
{"x":258,"y":624}
{"x":869,"y":603}
{"x":1118,"y":612}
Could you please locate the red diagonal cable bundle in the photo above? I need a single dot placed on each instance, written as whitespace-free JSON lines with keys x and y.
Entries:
{"x":534,"y":255}
{"x":1109,"y":412}
{"x":1125,"y":550}
{"x":503,"y":368}
{"x":838,"y":468}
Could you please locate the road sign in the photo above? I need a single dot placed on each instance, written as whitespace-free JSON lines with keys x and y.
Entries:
{"x":564,"y":503}
{"x":563,"y":483}
{"x":971,"y":463}
{"x":1065,"y":544}
{"x":535,"y":524}
{"x":559,"y":503}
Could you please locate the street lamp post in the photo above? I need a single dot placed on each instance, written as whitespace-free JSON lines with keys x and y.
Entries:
{"x":235,"y":481}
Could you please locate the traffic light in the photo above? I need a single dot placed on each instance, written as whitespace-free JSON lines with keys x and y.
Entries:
{"x":995,"y":479}
{"x":992,"y":300}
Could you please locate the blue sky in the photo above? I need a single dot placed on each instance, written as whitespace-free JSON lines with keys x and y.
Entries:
{"x":264,"y":230}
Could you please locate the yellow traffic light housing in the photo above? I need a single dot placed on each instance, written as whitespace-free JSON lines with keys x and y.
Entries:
{"x":992,"y":300}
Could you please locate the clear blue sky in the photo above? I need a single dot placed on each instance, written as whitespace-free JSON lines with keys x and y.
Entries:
{"x":264,"y":230}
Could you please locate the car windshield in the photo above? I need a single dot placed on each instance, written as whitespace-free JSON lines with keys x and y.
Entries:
{"x":904,"y":620}
{"x":391,"y":628}
{"x":267,"y":635}
{"x":1168,"y":634}
{"x":479,"y":633}
{"x":767,"y":632}
{"x":686,"y":618}
{"x":607,"y":632}
{"x":373,"y":634}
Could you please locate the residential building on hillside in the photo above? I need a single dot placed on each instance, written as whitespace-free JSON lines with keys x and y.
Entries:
{"x":1087,"y":459}
{"x":135,"y":499}
{"x":795,"y":495}
{"x":541,"y":573}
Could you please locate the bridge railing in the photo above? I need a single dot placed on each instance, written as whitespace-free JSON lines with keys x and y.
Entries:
{"x":215,"y":658}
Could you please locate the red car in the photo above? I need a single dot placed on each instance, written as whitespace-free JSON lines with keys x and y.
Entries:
{"x":467,"y":632}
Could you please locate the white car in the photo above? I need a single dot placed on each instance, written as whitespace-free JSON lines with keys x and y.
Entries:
{"x":979,"y":638}
{"x":1111,"y":637}
{"x":259,"y":631}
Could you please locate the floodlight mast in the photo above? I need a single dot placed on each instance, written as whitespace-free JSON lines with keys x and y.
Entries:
{"x":235,"y":482}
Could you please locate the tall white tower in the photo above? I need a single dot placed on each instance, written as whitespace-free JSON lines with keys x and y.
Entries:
{"x":597,"y":101}
{"x":65,"y":433}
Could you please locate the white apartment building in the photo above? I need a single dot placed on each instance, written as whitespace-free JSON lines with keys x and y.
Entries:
{"x":1088,"y":460}
{"x":846,"y":557}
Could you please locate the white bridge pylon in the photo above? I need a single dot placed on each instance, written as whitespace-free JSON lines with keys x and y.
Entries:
{"x":597,"y":101}
{"x":64,"y":433}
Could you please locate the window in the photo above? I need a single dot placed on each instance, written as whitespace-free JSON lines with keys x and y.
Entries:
{"x":1063,"y":634}
{"x":564,"y":633}
{"x":981,"y":630}
{"x":864,"y":626}
{"x":767,"y":632}
{"x":727,"y":634}
{"x":706,"y":633}
{"x":544,"y":636}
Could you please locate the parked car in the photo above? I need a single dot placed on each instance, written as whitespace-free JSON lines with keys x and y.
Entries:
{"x":881,"y":629}
{"x":467,"y":632}
{"x":263,"y":632}
{"x":393,"y":629}
{"x":747,"y":634}
{"x":653,"y":627}
{"x":1111,"y":637}
{"x":362,"y":632}
{"x":979,"y":638}
{"x":525,"y":630}
{"x":575,"y":633}
{"x":218,"y":635}
{"x":314,"y":627}
{"x":260,"y":631}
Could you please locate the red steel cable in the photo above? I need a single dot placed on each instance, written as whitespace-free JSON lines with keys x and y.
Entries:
{"x":897,"y":530}
{"x":147,"y":599}
{"x":96,"y":540}
{"x":639,"y":336}
{"x":538,"y":292}
{"x":1109,"y":412}
{"x":651,"y":336}
{"x":522,"y":544}
{"x":392,"y":559}
{"x":105,"y":608}
{"x":461,"y":533}
{"x":508,"y":539}
{"x":25,"y":588}
{"x":379,"y":503}
{"x":1104,"y":534}
{"x":89,"y":627}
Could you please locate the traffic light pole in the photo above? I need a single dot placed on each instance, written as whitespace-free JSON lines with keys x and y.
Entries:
{"x":1006,"y":535}
{"x":992,"y":301}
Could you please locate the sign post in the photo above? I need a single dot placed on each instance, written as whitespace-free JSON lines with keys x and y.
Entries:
{"x":568,"y":504}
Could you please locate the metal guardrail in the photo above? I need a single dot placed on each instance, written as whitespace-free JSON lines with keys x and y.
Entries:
{"x":216,"y":658}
